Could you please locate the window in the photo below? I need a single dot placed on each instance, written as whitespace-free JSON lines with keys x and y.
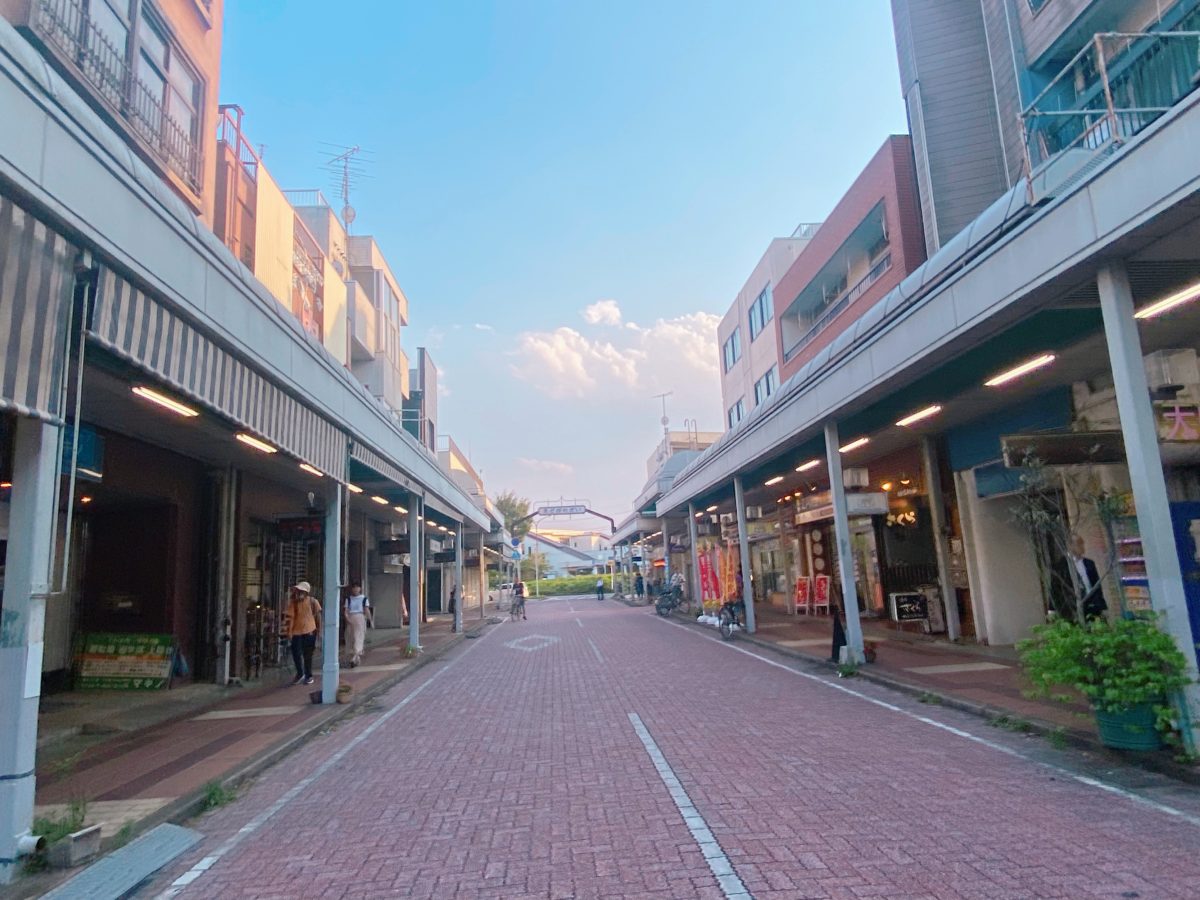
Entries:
{"x":761,"y":312}
{"x":737,"y":412}
{"x":732,"y":351}
{"x":766,"y":386}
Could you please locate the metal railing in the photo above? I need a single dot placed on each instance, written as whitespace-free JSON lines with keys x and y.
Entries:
{"x":310,"y":197}
{"x":1114,"y":87}
{"x":834,"y":309}
{"x":806,"y":230}
{"x":65,"y":25}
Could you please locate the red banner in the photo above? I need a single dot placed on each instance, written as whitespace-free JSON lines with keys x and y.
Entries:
{"x":821,"y":594}
{"x":804,"y":591}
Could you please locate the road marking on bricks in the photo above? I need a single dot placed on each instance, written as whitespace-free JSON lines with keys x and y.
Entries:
{"x":1131,"y":796}
{"x":532,"y":642}
{"x":718,"y":862}
{"x":265,"y":816}
{"x":579,"y":621}
{"x":595,"y":649}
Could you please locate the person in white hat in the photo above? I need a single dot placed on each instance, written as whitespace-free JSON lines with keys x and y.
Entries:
{"x":303,"y":624}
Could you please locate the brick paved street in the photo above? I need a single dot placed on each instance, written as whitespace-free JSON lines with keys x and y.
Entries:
{"x":513,"y":769}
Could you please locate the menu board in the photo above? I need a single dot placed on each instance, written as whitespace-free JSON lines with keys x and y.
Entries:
{"x":126,"y":661}
{"x":910,"y":607}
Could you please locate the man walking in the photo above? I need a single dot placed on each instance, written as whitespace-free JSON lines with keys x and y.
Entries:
{"x":599,"y":588}
{"x":303,"y":623}
{"x":1088,"y":576}
{"x":639,"y":587}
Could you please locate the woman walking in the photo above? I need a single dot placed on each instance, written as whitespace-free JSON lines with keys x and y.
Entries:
{"x":303,"y":623}
{"x":358,"y":614}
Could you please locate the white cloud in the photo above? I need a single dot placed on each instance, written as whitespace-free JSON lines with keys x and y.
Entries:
{"x":479,"y":326}
{"x":603,"y":312}
{"x":546,"y":465}
{"x":442,"y":389}
{"x":563,"y":363}
{"x":678,"y":354}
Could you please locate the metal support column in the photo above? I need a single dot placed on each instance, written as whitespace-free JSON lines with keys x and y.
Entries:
{"x":739,"y":500}
{"x":416,"y":560}
{"x":841,"y":527}
{"x":483,"y":581}
{"x":1146,"y":475}
{"x":941,"y":536}
{"x":663,"y":526}
{"x":458,"y":578}
{"x":32,"y":515}
{"x":332,"y":607}
{"x":694,"y":536}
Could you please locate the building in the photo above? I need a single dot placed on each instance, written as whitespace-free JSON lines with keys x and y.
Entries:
{"x":420,"y":408}
{"x":748,"y":334}
{"x":1051,"y":337}
{"x":866,"y":246}
{"x":559,"y":557}
{"x":218,"y":449}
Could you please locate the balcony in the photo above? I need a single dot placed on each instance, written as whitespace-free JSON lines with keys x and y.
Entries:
{"x":363,"y":343}
{"x":66,"y":27}
{"x":838,"y":304}
{"x":1114,"y":87}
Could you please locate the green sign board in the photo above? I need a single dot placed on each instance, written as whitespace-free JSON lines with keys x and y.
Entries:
{"x":126,"y":661}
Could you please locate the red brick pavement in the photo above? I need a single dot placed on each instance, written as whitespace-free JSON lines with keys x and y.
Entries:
{"x":516,"y":773}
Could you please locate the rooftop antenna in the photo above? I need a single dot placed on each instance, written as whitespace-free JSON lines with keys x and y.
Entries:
{"x":347,"y":165}
{"x":666,"y":421}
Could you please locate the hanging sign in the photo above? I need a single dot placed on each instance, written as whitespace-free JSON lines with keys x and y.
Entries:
{"x":126,"y":661}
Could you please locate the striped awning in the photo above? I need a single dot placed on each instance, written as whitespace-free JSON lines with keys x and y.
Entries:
{"x":36,"y":286}
{"x":360,"y":452}
{"x":133,"y":325}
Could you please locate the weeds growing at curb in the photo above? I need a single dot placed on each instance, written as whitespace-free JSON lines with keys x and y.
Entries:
{"x":1057,"y":738}
{"x":54,"y":830}
{"x":122,"y":837}
{"x":217,"y":795}
{"x":927,"y":697}
{"x":1010,"y":723}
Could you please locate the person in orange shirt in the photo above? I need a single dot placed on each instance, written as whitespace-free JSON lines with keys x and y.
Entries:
{"x":303,"y":624}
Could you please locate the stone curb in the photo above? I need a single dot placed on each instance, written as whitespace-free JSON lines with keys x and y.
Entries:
{"x":190,"y":805}
{"x":987,"y":712}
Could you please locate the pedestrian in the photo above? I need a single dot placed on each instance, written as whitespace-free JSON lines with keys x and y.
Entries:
{"x":1088,"y":578}
{"x":358,"y":613}
{"x":639,"y":587}
{"x":302,"y":626}
{"x":518,"y":600}
{"x":453,"y":605}
{"x":599,"y":588}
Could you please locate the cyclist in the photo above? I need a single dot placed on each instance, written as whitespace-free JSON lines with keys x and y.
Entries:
{"x":518,"y":600}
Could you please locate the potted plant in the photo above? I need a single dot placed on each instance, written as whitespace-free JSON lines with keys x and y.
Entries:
{"x":1128,"y":669}
{"x":343,"y":693}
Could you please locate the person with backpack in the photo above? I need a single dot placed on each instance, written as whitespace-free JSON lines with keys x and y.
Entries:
{"x":357,"y":609}
{"x":303,"y":623}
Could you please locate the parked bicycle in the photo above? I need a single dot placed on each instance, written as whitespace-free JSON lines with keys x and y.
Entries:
{"x":672,"y":599}
{"x":729,"y":618}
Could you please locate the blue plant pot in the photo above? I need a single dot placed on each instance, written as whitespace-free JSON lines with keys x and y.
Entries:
{"x":1129,"y":729}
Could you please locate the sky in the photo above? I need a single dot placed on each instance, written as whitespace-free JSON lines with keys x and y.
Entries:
{"x":571,"y":193}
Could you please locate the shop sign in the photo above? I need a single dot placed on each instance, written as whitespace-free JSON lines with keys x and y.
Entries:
{"x":126,"y":661}
{"x":562,"y":511}
{"x":301,"y":529}
{"x":804,"y":591}
{"x":1178,"y":422}
{"x":821,"y":591}
{"x":871,"y":504}
{"x":909,"y":607}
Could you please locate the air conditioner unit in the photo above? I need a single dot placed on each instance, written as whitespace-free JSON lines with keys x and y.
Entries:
{"x":728,"y":518}
{"x":386,"y":563}
{"x":753,"y":512}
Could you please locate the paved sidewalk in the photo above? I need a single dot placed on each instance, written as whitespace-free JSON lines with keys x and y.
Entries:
{"x":202,"y":735}
{"x":601,"y":751}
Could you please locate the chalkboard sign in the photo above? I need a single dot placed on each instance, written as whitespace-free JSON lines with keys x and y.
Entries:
{"x":909,"y":607}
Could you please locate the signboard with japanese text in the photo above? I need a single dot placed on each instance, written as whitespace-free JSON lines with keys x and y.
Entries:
{"x":909,"y":606}
{"x":1177,"y":422}
{"x":821,"y":591}
{"x":126,"y":661}
{"x":562,"y":511}
{"x":804,"y":591}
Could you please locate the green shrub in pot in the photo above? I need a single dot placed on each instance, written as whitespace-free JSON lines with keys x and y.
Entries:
{"x":1121,"y":667}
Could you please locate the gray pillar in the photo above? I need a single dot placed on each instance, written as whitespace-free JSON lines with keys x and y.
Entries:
{"x":694,"y":536}
{"x":1146,"y":475}
{"x":739,"y":499}
{"x":941,"y":540}
{"x":333,"y":597}
{"x":458,"y":577}
{"x":483,"y":585}
{"x":841,"y":527}
{"x":663,"y":526}
{"x":27,"y":581}
{"x":416,"y":559}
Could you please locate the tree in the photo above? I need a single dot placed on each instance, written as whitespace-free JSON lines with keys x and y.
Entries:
{"x":515,"y":511}
{"x":534,"y":565}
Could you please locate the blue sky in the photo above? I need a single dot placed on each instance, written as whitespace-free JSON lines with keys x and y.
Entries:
{"x":534,"y":158}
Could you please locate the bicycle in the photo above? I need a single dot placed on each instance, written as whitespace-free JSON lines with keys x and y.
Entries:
{"x":729,"y":618}
{"x":517,"y":606}
{"x":671,"y":600}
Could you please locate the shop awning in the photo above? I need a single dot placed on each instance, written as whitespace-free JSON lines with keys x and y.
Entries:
{"x":360,"y":452}
{"x":131,"y":324}
{"x":36,"y":284}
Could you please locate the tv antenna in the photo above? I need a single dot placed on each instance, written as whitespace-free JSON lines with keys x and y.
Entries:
{"x":665,"y":419}
{"x":347,"y":165}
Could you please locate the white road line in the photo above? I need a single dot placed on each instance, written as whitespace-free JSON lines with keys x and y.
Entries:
{"x":718,"y":862}
{"x":579,"y":621}
{"x":262,"y":818}
{"x":595,"y":649}
{"x":1163,"y":808}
